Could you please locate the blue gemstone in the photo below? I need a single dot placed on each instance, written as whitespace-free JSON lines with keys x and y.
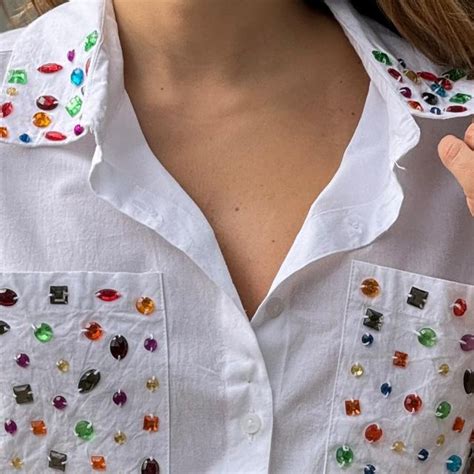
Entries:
{"x":25,"y":138}
{"x":367,"y":339}
{"x":369,"y":469}
{"x":423,"y":454}
{"x":435,"y":110}
{"x":454,"y":463}
{"x":440,"y":90}
{"x":77,"y":76}
{"x":386,"y":389}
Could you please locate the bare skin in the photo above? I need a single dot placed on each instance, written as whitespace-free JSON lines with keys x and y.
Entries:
{"x":250,"y":106}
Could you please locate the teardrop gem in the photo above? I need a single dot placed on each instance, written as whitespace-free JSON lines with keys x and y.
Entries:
{"x":77,"y":77}
{"x":7,"y":109}
{"x":71,"y":55}
{"x":429,"y":98}
{"x":50,"y":68}
{"x":88,"y":381}
{"x":150,"y":466}
{"x":78,"y":129}
{"x":7,"y":297}
{"x":108,"y":294}
{"x":119,"y":347}
{"x":55,"y":136}
{"x":46,"y":102}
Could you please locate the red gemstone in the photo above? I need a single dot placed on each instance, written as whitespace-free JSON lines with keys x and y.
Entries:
{"x":445,"y":83}
{"x":395,"y":74}
{"x":7,"y":109}
{"x":55,"y":136}
{"x":428,"y":76}
{"x":459,"y":307}
{"x":46,"y":102}
{"x":7,"y":297}
{"x":107,"y":294}
{"x":373,"y":433}
{"x":456,"y":108}
{"x":50,"y":68}
{"x":415,"y":105}
{"x":413,"y":403}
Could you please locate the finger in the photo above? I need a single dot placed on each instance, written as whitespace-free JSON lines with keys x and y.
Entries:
{"x":469,"y":136}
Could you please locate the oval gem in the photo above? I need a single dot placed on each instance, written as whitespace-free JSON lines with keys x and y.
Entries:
{"x":71,"y":55}
{"x":459,"y":307}
{"x":468,"y":381}
{"x":3,"y":132}
{"x":456,"y":108}
{"x":395,"y":74}
{"x":84,"y":430}
{"x":373,"y":433}
{"x":62,"y":365}
{"x":46,"y":102}
{"x":435,"y":110}
{"x":454,"y":463}
{"x":41,"y":120}
{"x":150,"y":466}
{"x":406,"y":92}
{"x":119,"y":347}
{"x":43,"y":332}
{"x":413,"y":403}
{"x":467,"y":342}
{"x":428,"y":76}
{"x":88,"y":381}
{"x":429,"y":98}
{"x":55,"y":136}
{"x":7,"y":297}
{"x":10,"y":427}
{"x":49,"y":68}
{"x":93,"y":331}
{"x":77,"y":76}
{"x":108,"y":294}
{"x":443,"y":410}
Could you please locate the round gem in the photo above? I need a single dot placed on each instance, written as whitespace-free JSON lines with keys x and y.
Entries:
{"x":77,"y":77}
{"x":453,"y":463}
{"x":443,"y":410}
{"x":41,"y":119}
{"x":16,"y":462}
{"x":120,"y":438}
{"x":46,"y":102}
{"x":22,"y":360}
{"x":150,"y":466}
{"x":93,"y":331}
{"x":88,"y":381}
{"x":145,"y":305}
{"x":150,"y":344}
{"x":59,"y":402}
{"x":62,"y":365}
{"x":435,"y":110}
{"x":415,"y":105}
{"x":370,"y":287}
{"x":7,"y":109}
{"x":43,"y":332}
{"x":10,"y":427}
{"x":423,"y":454}
{"x":108,"y":294}
{"x":427,"y":337}
{"x":7,"y":297}
{"x":443,"y":369}
{"x":398,"y":447}
{"x":71,"y":55}
{"x":119,"y":398}
{"x":459,"y":307}
{"x":49,"y":68}
{"x":84,"y":430}
{"x":373,"y":433}
{"x":55,"y":136}
{"x":344,"y":456}
{"x":386,"y":389}
{"x":369,"y":469}
{"x":25,"y":138}
{"x":357,"y":370}
{"x":467,"y":342}
{"x":440,"y":440}
{"x":405,"y":92}
{"x":119,"y":347}
{"x":413,"y":403}
{"x":78,"y":129}
{"x":152,"y":384}
{"x":429,"y":98}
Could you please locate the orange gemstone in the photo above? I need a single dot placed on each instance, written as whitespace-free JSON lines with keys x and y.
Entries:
{"x":400,"y":359}
{"x":93,"y":331}
{"x":458,"y":424}
{"x":415,"y":105}
{"x":98,"y":463}
{"x":41,"y":119}
{"x":3,"y":132}
{"x":373,"y":433}
{"x":370,"y":287}
{"x":38,"y":427}
{"x":145,"y":305}
{"x":150,"y":423}
{"x":352,"y":407}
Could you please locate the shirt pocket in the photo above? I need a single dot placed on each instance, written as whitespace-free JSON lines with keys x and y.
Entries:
{"x":403,"y":392}
{"x":84,"y":372}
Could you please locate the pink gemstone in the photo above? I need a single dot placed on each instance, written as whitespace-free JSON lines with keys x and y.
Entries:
{"x":7,"y":297}
{"x":406,"y":92}
{"x":428,"y":76}
{"x":10,"y":427}
{"x":46,"y":102}
{"x":456,"y":108}
{"x":55,"y":136}
{"x":70,"y":55}
{"x":150,"y":344}
{"x":78,"y":129}
{"x":395,"y":74}
{"x":119,"y":398}
{"x":467,"y":342}
{"x":59,"y":402}
{"x":50,"y":68}
{"x":459,"y":307}
{"x":22,"y":360}
{"x":7,"y":109}
{"x":108,"y":294}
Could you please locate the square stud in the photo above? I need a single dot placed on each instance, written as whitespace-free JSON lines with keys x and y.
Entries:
{"x":23,"y":394}
{"x":98,"y":463}
{"x":150,"y":423}
{"x":400,"y":359}
{"x":58,"y":295}
{"x":352,"y":407}
{"x":373,"y":319}
{"x":57,"y":460}
{"x":417,"y":297}
{"x":38,"y":427}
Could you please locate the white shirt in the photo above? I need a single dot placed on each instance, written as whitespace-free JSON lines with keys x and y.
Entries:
{"x":277,"y":394}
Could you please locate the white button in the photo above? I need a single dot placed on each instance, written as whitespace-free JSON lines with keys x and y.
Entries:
{"x":250,"y":423}
{"x":274,"y":307}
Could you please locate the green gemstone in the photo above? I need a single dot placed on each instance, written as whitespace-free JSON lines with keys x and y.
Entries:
{"x":427,"y":337}
{"x":74,"y":106}
{"x":17,"y":76}
{"x":43,"y":332}
{"x":454,"y":74}
{"x":443,"y":410}
{"x":91,"y":40}
{"x":382,"y":57}
{"x":460,"y":98}
{"x":84,"y":430}
{"x":344,"y":456}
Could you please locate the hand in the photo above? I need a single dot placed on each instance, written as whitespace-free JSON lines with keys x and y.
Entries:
{"x":458,"y":156}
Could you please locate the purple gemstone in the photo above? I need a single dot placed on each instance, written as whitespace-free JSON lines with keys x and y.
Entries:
{"x":119,"y":398}
{"x":150,"y":344}
{"x":78,"y":129}
{"x":59,"y":402}
{"x":10,"y":427}
{"x":467,"y":342}
{"x":70,"y":55}
{"x":406,"y":92}
{"x":22,"y":360}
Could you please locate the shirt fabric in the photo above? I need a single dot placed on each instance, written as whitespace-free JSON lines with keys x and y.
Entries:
{"x":332,"y":373}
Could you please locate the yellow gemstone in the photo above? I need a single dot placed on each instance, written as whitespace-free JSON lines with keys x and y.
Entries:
{"x":120,"y":437}
{"x":440,"y":440}
{"x":357,"y":370}
{"x":370,"y":287}
{"x":145,"y":305}
{"x":443,"y":369}
{"x":412,"y":75}
{"x":398,"y":446}
{"x":3,"y":132}
{"x":12,"y":91}
{"x":16,"y":462}
{"x":152,"y":384}
{"x":62,"y":365}
{"x":41,"y":119}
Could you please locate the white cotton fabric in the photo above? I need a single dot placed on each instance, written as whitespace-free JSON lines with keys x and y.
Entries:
{"x":99,"y":210}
